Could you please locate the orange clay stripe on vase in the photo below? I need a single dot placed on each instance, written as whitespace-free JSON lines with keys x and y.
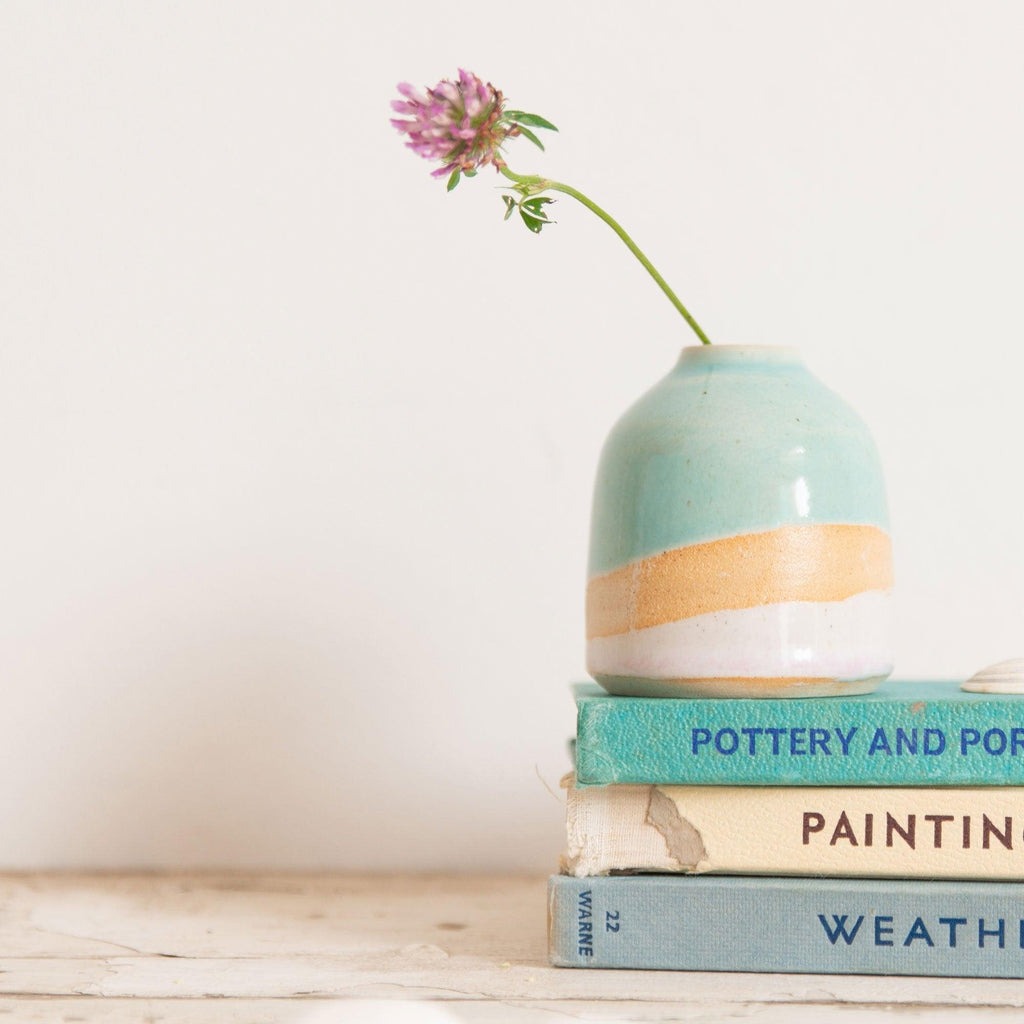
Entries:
{"x":820,"y":563}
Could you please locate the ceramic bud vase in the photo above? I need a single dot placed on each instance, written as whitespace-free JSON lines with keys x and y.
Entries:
{"x":739,"y":539}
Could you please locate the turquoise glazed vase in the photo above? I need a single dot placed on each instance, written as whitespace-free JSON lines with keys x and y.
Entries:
{"x":739,"y":540}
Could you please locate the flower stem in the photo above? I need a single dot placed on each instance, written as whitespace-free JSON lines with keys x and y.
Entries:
{"x":534,"y":184}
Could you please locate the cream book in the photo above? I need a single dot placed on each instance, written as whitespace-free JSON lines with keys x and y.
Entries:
{"x":739,"y":830}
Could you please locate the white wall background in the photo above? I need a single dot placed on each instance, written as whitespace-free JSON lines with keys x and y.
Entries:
{"x":297,"y":449}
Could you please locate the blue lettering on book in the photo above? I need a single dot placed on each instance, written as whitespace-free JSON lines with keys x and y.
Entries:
{"x":797,"y":741}
{"x":879,"y":742}
{"x":800,"y":741}
{"x":996,"y":932}
{"x":585,"y":924}
{"x":918,"y":931}
{"x":994,"y":742}
{"x":885,"y":931}
{"x":906,"y":741}
{"x":929,"y":742}
{"x":844,"y":741}
{"x":726,"y":741}
{"x":839,"y":930}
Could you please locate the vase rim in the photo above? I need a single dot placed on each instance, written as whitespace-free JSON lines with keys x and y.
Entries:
{"x":740,"y":354}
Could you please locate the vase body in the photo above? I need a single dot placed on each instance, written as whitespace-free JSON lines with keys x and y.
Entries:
{"x":739,"y":539}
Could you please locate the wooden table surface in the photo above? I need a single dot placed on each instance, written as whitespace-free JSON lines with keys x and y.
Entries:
{"x":409,"y":950}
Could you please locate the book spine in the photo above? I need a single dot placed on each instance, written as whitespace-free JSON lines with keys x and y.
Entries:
{"x":966,"y":929}
{"x":975,"y":833}
{"x":833,"y":742}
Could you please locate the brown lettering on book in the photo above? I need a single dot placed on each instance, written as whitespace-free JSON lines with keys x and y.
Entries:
{"x":906,"y":834}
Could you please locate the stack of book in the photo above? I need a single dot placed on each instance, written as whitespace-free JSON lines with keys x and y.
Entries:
{"x":880,"y":834}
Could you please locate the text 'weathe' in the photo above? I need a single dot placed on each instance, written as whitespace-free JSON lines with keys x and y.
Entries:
{"x":948,"y":932}
{"x":766,"y":741}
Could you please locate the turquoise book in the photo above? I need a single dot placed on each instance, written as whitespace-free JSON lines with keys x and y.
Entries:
{"x":903,"y":734}
{"x":790,"y":925}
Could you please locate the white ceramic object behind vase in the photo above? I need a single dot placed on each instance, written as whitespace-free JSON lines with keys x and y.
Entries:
{"x":1004,"y":677}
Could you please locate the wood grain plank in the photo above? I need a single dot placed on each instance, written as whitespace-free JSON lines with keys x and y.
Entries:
{"x":275,"y":943}
{"x":85,"y":1010}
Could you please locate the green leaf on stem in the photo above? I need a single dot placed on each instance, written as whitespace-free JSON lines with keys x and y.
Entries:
{"x":510,"y":206}
{"x":533,"y":120}
{"x":454,"y":179}
{"x":526,"y":133}
{"x":535,"y":206}
{"x":533,"y":223}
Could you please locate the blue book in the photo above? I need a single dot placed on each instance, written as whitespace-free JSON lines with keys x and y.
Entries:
{"x":903,"y":734}
{"x":791,"y":925}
